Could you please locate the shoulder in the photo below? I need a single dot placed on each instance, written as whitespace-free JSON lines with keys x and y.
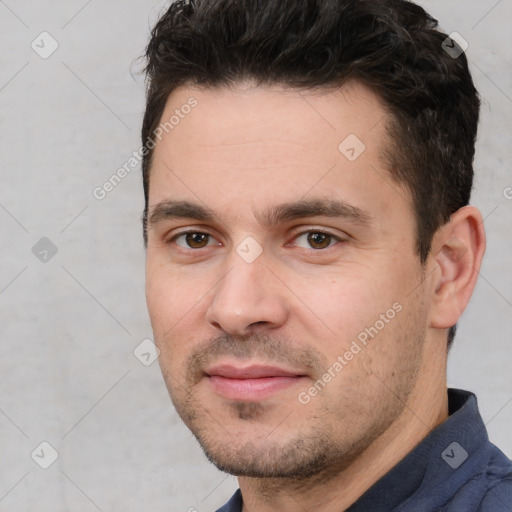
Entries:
{"x":489,"y":490}
{"x":498,"y":479}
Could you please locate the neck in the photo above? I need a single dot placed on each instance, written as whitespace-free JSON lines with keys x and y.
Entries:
{"x":426,"y":408}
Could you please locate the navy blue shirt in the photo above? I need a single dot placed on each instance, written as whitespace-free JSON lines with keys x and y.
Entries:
{"x":454,"y":469}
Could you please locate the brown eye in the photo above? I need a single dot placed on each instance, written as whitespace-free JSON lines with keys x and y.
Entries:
{"x":196,"y":240}
{"x":192,"y":240}
{"x":316,"y":240}
{"x":319,"y":240}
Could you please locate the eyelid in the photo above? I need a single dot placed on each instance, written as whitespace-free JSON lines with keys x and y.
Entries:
{"x":173,"y":238}
{"x":339,"y":238}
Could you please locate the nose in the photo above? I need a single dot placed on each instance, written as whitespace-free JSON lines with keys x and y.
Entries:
{"x":248,"y":295}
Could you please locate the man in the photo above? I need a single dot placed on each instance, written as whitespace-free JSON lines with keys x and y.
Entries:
{"x":310,"y":248}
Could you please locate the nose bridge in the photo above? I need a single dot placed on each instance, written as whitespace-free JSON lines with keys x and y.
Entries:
{"x":247,"y":294}
{"x":241,"y":279}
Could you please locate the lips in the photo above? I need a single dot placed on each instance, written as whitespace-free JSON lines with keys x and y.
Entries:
{"x":254,"y":382}
{"x":249,"y":372}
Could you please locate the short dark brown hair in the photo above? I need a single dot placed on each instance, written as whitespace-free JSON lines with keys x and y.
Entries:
{"x":392,"y":46}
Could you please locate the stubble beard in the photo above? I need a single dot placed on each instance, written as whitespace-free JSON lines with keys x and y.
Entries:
{"x":313,"y":451}
{"x":312,"y":448}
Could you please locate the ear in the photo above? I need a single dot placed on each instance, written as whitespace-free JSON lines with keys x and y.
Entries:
{"x":457,"y":250}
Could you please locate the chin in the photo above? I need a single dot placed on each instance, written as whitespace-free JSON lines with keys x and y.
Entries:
{"x":252,"y":453}
{"x":276,"y":463}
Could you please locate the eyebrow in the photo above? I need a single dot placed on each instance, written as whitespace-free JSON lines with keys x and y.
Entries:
{"x":170,"y":209}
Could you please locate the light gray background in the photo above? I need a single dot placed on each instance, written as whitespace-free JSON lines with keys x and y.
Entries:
{"x":69,"y":325}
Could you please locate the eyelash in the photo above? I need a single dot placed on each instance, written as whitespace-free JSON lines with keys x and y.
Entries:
{"x":320,"y":231}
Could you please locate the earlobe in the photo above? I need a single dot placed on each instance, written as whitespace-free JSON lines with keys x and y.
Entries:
{"x":458,"y":249}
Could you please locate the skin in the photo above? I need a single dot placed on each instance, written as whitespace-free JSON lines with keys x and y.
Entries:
{"x":304,"y":300}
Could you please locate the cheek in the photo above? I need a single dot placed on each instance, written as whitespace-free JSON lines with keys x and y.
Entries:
{"x":164,"y":312}
{"x":362,"y":315}
{"x":175,"y":302}
{"x":346,"y":305}
{"x":167,"y":296}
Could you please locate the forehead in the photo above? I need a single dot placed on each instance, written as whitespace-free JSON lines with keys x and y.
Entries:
{"x":260,"y":145}
{"x":245,"y":113}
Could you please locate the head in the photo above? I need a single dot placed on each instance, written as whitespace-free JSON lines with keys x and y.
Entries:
{"x":320,"y":159}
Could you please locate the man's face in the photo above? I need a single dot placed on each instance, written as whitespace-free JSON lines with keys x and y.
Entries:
{"x":292,"y":319}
